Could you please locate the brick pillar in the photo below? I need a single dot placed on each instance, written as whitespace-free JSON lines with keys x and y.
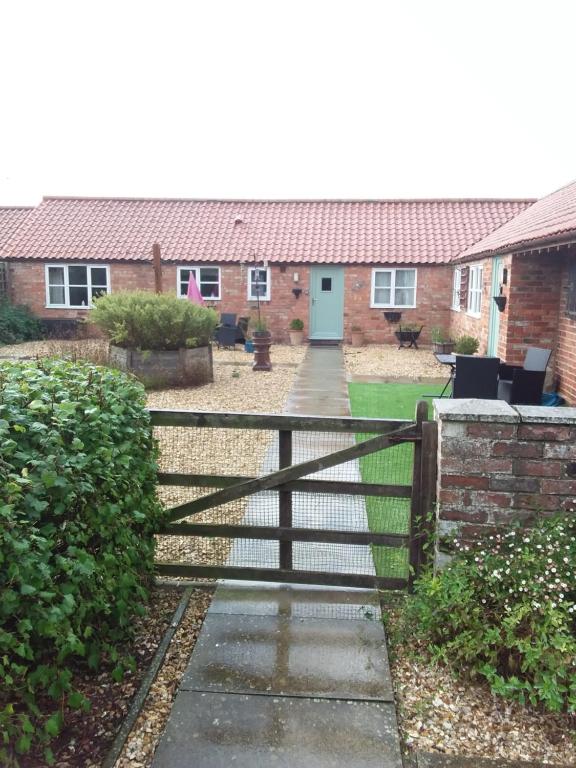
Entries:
{"x":499,"y":463}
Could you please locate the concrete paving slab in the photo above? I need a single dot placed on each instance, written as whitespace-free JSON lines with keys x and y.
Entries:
{"x":208,"y":730}
{"x":284,"y":656}
{"x":257,"y":599}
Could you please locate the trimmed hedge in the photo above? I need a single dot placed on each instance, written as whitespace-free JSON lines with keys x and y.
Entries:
{"x":78,"y":510}
{"x":17,"y":324}
{"x":147,"y":321}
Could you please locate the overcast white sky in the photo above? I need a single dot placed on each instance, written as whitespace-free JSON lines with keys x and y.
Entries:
{"x":287,"y":98}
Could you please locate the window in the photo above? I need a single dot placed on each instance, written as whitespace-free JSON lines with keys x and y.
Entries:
{"x":326,"y":285}
{"x":393,"y":288}
{"x":259,"y":283}
{"x":475,"y":290}
{"x":456,"y":285}
{"x":75,"y":285}
{"x":207,"y":280}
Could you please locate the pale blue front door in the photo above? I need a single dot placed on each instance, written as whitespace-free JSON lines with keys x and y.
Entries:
{"x":494,"y":317}
{"x":326,"y":303}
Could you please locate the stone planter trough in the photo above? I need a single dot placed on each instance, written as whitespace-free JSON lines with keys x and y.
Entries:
{"x":159,"y":368}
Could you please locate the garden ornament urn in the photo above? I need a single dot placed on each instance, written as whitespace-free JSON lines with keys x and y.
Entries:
{"x":262,"y":341}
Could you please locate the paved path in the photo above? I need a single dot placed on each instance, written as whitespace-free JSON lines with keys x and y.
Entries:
{"x":320,"y":389}
{"x":284,"y":675}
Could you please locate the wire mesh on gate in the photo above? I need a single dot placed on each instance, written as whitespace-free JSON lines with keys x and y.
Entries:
{"x":246,"y":453}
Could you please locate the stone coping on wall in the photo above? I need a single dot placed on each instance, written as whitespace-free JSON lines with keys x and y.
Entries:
{"x":500,"y":412}
{"x":475,"y":410}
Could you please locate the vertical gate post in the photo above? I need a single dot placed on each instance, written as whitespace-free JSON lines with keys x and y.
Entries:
{"x":285,"y":497}
{"x":416,"y":501}
{"x":428,"y":490}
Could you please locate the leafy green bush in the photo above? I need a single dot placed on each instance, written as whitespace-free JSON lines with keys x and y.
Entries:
{"x":466,"y":345}
{"x":504,"y":609}
{"x":78,"y":510}
{"x":17,"y":324}
{"x":145,"y":320}
{"x":296,"y":324}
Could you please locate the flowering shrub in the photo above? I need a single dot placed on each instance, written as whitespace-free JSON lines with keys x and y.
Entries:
{"x":504,"y":609}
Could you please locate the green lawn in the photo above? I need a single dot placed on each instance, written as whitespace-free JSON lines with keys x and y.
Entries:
{"x":393,"y":465}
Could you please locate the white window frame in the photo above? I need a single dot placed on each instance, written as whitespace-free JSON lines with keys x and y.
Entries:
{"x":475,"y":288}
{"x":67,"y":304}
{"x":251,"y":296}
{"x":393,"y":271}
{"x":197,"y":268}
{"x":456,"y":289}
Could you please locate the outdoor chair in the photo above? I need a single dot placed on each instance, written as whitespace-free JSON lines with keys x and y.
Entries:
{"x":523,"y":385}
{"x":229,"y":333}
{"x":228,"y":318}
{"x":476,"y":377}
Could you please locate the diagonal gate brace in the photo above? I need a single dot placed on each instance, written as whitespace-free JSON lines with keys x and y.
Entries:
{"x":294,"y":472}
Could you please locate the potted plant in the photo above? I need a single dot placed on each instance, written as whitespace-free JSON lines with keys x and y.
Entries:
{"x":296,"y":331}
{"x":357,"y":336}
{"x":442,"y":344}
{"x":262,"y":339}
{"x":466,"y":345}
{"x":161,"y":339}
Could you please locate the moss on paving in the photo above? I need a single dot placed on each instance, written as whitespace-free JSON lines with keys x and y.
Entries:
{"x":393,"y":465}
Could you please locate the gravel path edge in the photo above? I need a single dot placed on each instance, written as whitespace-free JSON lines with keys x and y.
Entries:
{"x":140,"y":697}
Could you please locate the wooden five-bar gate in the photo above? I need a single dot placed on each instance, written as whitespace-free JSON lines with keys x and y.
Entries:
{"x":290,"y":478}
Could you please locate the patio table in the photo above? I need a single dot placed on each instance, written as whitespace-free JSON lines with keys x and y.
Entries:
{"x":451,"y":361}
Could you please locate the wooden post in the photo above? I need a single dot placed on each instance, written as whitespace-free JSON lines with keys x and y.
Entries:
{"x":429,"y":478}
{"x":416,"y":504}
{"x":157,"y":262}
{"x":285,"y":497}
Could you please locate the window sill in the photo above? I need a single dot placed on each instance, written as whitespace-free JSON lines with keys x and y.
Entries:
{"x":66,"y":306}
{"x":206,"y":300}
{"x":454,"y":309}
{"x":393,"y":306}
{"x":474,"y":315}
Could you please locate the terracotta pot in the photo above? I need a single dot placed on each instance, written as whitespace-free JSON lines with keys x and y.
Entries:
{"x":262,"y":341}
{"x":357,"y":338}
{"x":296,"y":337}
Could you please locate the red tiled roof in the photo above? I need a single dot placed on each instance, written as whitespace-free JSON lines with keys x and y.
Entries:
{"x":10,"y":219}
{"x":549,"y":219}
{"x":316,"y":231}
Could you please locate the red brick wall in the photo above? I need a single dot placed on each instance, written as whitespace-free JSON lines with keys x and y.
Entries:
{"x":494,"y":472}
{"x":533,"y":304}
{"x":566,"y":342}
{"x":432,"y":296}
{"x":432,"y":301}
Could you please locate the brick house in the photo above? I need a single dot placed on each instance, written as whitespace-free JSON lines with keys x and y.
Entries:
{"x":531,"y":261}
{"x":331,"y":263}
{"x":11,"y":217}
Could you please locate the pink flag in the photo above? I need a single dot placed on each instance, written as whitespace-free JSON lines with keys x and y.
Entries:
{"x":194,"y":294}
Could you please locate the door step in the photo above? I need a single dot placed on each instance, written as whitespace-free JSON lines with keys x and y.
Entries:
{"x":324,"y":342}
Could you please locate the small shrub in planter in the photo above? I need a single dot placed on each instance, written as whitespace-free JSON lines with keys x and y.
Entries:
{"x":296,"y":331}
{"x":466,"y":345}
{"x":504,"y":610}
{"x":78,"y":511}
{"x":442,"y":344}
{"x":160,"y":338}
{"x":262,"y":340}
{"x":17,"y":324}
